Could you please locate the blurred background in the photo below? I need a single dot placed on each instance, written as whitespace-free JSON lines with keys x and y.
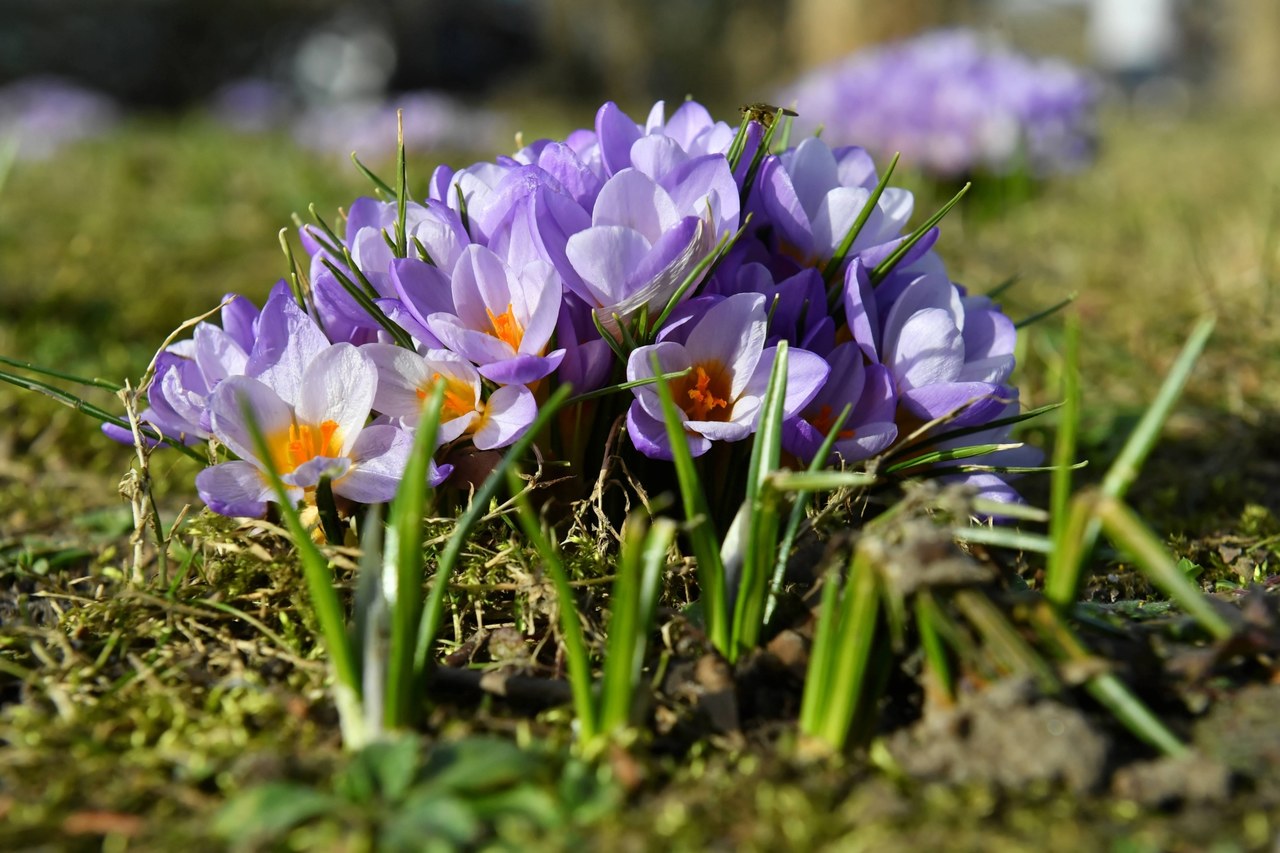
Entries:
{"x":285,"y":55}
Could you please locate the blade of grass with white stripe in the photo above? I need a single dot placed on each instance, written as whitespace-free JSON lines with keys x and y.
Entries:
{"x":762,"y":511}
{"x":798,"y":508}
{"x":857,"y":618}
{"x":433,"y":612}
{"x":933,"y":457}
{"x":634,"y":604}
{"x":575,"y":645}
{"x":702,"y":532}
{"x":402,"y":571}
{"x":323,"y":594}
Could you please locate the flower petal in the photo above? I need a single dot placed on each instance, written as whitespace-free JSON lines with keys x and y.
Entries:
{"x":272,"y":414}
{"x":508,"y":413}
{"x":379,"y":458}
{"x":236,"y":489}
{"x":339,"y":386}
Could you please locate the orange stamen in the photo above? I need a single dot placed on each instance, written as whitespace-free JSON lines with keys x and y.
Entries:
{"x":825,"y":419}
{"x":459,"y":399}
{"x":305,"y":443}
{"x":704,"y":398}
{"x":506,"y":327}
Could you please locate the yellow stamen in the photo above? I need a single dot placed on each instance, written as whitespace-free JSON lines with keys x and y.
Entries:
{"x":506,"y":327}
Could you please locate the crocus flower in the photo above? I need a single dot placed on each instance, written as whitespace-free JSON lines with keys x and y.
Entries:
{"x":322,"y":433}
{"x":406,"y":380}
{"x":870,"y":427}
{"x":504,"y":317}
{"x":812,"y":196}
{"x":728,"y":366}
{"x":947,"y":352}
{"x":647,"y":236}
{"x":187,"y":372}
{"x":433,"y":225}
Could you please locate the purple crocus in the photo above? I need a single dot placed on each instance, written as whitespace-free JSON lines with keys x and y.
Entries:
{"x":728,"y":366}
{"x":314,"y":425}
{"x":647,"y":236}
{"x":504,"y":318}
{"x":949,"y":355}
{"x":406,"y":379}
{"x":870,"y":427}
{"x":187,"y":372}
{"x":812,"y":196}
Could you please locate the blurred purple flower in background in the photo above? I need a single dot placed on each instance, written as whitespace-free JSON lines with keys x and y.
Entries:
{"x":45,"y":113}
{"x":252,"y":105}
{"x":953,"y":102}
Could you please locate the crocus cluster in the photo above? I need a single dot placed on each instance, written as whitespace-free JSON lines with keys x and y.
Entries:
{"x":954,"y":102}
{"x":673,"y":245}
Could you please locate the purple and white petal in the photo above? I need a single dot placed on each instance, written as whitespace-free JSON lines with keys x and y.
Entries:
{"x":235,"y":489}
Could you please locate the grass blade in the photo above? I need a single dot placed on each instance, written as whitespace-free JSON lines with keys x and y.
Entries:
{"x":858,"y":616}
{"x":399,"y":335}
{"x":1128,"y":463}
{"x":402,"y":191}
{"x":800,"y":505}
{"x":1061,"y":578}
{"x":937,"y":661}
{"x":701,"y":530}
{"x":404,"y":563}
{"x":379,"y":184}
{"x":817,"y":682}
{"x":575,"y":645}
{"x":433,"y":612}
{"x":323,"y":594}
{"x":933,"y":457}
{"x":114,"y":387}
{"x":1123,"y":527}
{"x":830,"y":271}
{"x":85,"y":407}
{"x":1047,"y":312}
{"x":1106,"y":688}
{"x":762,"y":510}
{"x":886,"y":266}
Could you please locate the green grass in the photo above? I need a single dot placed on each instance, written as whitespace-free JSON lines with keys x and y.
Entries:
{"x":164,"y":706}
